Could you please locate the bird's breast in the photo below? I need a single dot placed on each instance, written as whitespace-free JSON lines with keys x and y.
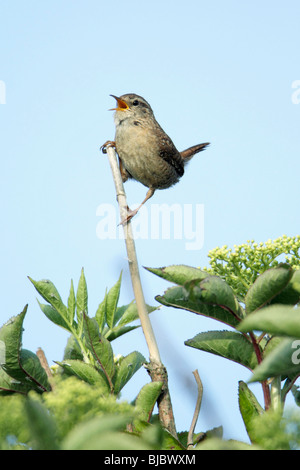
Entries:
{"x":140,"y":150}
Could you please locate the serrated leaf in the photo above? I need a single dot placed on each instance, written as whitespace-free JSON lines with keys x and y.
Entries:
{"x":72,"y":349}
{"x":249,"y":408}
{"x":146,"y":400}
{"x":283,"y":360}
{"x":49,"y":292}
{"x":118,"y":331}
{"x":290,"y":295}
{"x":124,"y":315}
{"x":86,"y":372}
{"x":126,"y":368}
{"x":276,"y":319}
{"x":271,"y":343}
{"x":34,"y":371}
{"x":214,"y":291}
{"x":8,"y":384}
{"x":82,"y":295}
{"x":171,"y":443}
{"x":120,"y":312}
{"x":71,"y":304}
{"x":100,"y":315}
{"x":131,"y":313}
{"x":54,"y":316}
{"x":112,"y":302}
{"x":268,"y":285}
{"x":178,"y":297}
{"x":228,"y":344}
{"x":100,"y":347}
{"x":20,"y":364}
{"x":179,"y":274}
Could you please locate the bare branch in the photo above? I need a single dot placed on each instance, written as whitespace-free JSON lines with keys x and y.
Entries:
{"x":197,"y":410}
{"x":156,"y":369}
{"x":132,"y":260}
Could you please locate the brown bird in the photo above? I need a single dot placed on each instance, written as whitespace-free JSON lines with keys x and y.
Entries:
{"x":145,"y":152}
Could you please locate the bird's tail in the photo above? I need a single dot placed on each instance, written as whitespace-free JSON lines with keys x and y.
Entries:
{"x":190,"y":152}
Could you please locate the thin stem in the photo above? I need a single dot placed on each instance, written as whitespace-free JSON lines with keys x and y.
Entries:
{"x":265,"y":387}
{"x":155,"y":368}
{"x":132,"y":260}
{"x":197,"y":410}
{"x":276,"y":401}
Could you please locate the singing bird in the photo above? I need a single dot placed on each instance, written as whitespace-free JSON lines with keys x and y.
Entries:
{"x":146,"y":153}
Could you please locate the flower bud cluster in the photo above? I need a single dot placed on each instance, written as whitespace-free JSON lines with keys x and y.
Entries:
{"x":241,"y":265}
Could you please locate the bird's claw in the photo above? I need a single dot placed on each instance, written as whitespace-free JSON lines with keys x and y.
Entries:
{"x":107,"y":144}
{"x":129,"y":216}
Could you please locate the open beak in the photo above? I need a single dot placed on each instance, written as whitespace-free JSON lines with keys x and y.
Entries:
{"x":122,"y":105}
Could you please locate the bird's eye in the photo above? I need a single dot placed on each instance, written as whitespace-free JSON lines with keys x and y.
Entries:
{"x":135,"y":102}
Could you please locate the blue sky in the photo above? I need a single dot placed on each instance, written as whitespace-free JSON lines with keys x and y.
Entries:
{"x":214,"y":71}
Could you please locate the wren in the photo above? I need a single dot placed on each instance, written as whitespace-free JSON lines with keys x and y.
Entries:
{"x":146,"y":153}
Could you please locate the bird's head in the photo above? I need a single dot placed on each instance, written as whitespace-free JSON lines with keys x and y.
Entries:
{"x":131,"y":105}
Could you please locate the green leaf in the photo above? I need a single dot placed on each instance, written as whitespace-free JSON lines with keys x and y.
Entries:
{"x":214,"y":291}
{"x":270,"y":344}
{"x":8,"y":384}
{"x":86,"y":372}
{"x":296,"y":394}
{"x":54,"y":316}
{"x":112,"y":302}
{"x":146,"y":400}
{"x":72,"y":349}
{"x":103,"y":433}
{"x":42,"y":426}
{"x":131,"y":313}
{"x":20,"y":364}
{"x":291,"y":293}
{"x":71,"y":304}
{"x":283,"y":360}
{"x":179,"y":274}
{"x":178,"y":297}
{"x":219,"y":444}
{"x":118,"y":331}
{"x":99,"y":346}
{"x":228,"y":344}
{"x":31,"y":366}
{"x":127,"y":366}
{"x":124,"y":315}
{"x":277,"y":319}
{"x":171,"y":443}
{"x":267,"y":286}
{"x":100,"y":315}
{"x":82,"y":295}
{"x":249,"y":408}
{"x":49,"y":292}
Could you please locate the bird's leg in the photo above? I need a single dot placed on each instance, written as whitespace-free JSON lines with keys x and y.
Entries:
{"x":131,"y":213}
{"x":108,"y":143}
